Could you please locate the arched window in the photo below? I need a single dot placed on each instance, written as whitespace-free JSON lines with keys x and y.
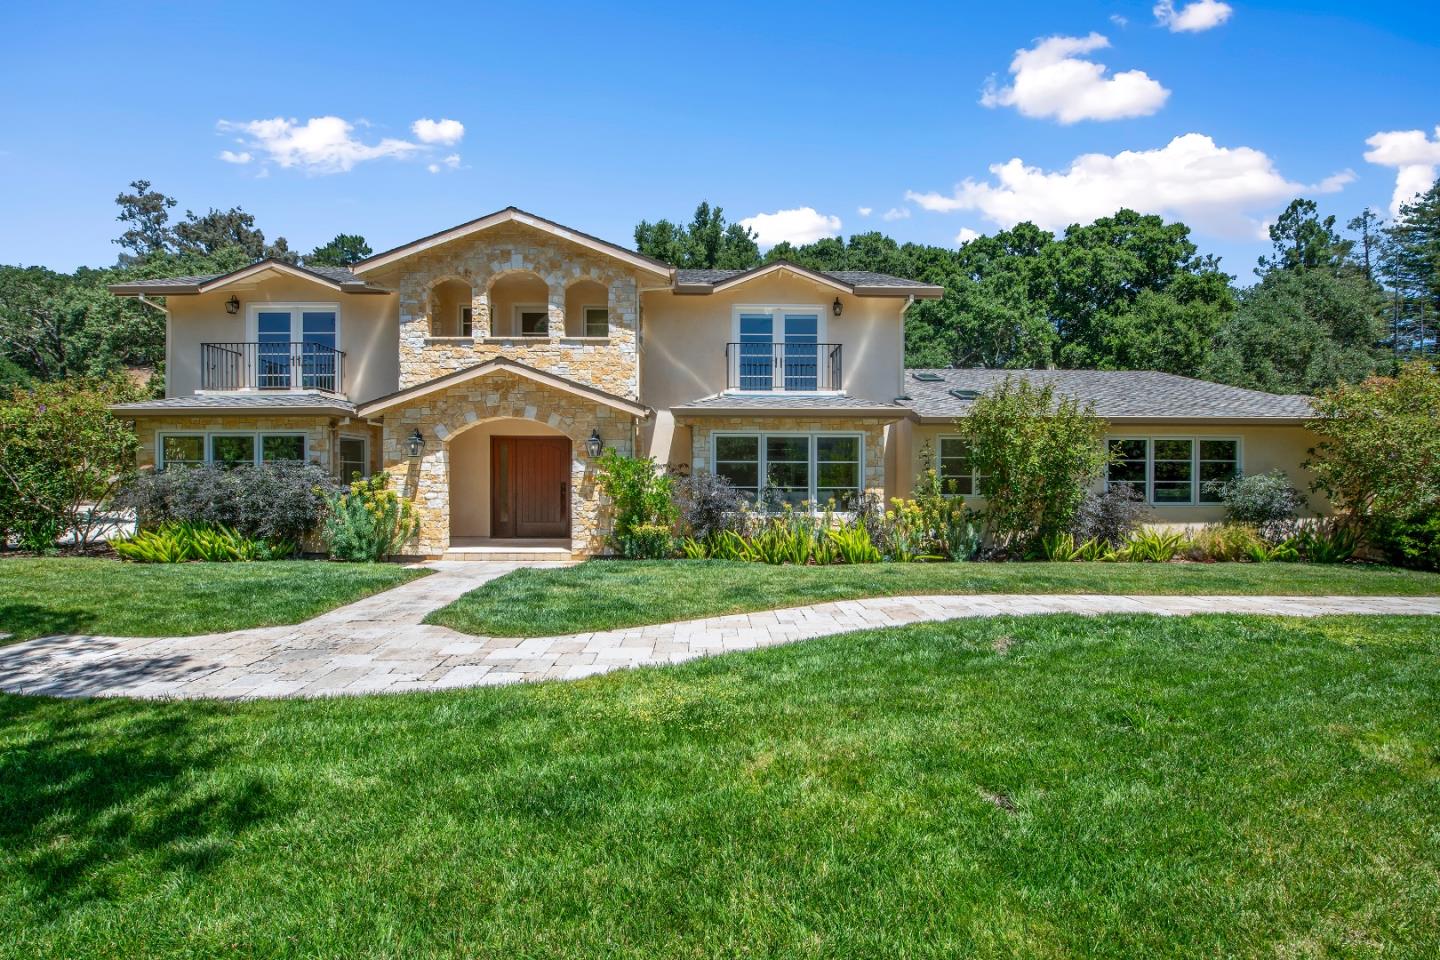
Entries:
{"x":520,"y":306}
{"x":451,"y":310}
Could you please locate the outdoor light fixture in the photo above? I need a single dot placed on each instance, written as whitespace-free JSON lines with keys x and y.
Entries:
{"x":232,"y":305}
{"x":595,"y":445}
{"x":837,"y":307}
{"x":417,"y":443}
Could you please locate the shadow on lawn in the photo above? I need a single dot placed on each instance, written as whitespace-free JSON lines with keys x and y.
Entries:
{"x":98,"y":792}
{"x":26,"y":620}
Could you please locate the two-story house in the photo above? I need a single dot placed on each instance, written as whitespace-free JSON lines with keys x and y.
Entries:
{"x":487,"y":366}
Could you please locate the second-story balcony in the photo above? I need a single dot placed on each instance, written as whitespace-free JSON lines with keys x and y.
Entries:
{"x":272,"y":366}
{"x":787,"y":367}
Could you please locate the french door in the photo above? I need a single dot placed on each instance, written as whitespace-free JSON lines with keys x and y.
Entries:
{"x":296,"y":348}
{"x":779,"y":351}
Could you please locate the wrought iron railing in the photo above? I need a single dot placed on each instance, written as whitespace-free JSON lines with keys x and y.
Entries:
{"x":795,"y":367}
{"x":272,"y":366}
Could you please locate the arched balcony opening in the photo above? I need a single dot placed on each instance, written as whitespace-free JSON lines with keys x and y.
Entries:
{"x":520,"y":306}
{"x":587,"y":309}
{"x":451,"y":309}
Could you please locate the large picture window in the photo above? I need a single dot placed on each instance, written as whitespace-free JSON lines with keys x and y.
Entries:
{"x":228,"y":449}
{"x":1172,"y":470}
{"x":793,"y":468}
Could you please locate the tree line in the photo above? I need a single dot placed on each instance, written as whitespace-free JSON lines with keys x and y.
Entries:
{"x":1128,"y":291}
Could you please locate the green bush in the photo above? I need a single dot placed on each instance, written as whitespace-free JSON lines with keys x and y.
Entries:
{"x":1268,"y":502}
{"x":1409,"y":540}
{"x":1327,"y":542}
{"x":178,"y":542}
{"x":1036,"y":455}
{"x":641,"y":496}
{"x":647,"y":541}
{"x":1222,"y":543}
{"x":284,"y":500}
{"x":367,"y":522}
{"x":63,"y":456}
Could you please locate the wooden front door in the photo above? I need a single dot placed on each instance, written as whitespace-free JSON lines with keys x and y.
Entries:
{"x":529,"y":487}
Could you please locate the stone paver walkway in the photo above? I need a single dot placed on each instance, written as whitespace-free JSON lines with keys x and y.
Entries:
{"x":379,"y":644}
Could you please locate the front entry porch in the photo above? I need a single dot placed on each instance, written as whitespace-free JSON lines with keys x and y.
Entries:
{"x":510,"y":549}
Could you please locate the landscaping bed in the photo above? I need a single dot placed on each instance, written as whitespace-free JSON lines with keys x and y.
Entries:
{"x":47,"y":595}
{"x":605,"y":594}
{"x":1026,"y":786}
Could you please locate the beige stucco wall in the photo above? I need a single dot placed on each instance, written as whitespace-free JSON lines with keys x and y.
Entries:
{"x":516,"y":250}
{"x":1262,"y":449}
{"x":443,"y":418}
{"x":368,"y":331}
{"x":683,"y":357}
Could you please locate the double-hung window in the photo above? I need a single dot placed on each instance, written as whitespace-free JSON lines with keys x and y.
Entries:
{"x":295,"y":346}
{"x":956,"y":471}
{"x":779,"y":348}
{"x":354,"y":458}
{"x":1172,"y":470}
{"x":793,"y":468}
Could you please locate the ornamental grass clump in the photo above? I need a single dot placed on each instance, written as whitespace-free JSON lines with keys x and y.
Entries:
{"x":368,"y":522}
{"x":182,"y":541}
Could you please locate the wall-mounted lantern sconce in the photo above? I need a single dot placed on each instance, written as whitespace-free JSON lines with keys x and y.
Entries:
{"x":417,"y":443}
{"x":837,"y":307}
{"x":595,"y":445}
{"x":232,"y":306}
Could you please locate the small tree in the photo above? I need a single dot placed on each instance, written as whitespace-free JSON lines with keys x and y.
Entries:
{"x":1378,"y":449}
{"x":62,"y":457}
{"x":644,"y":508}
{"x":1036,"y":457}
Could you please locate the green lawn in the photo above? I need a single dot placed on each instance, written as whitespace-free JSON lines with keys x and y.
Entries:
{"x":1015,"y":787}
{"x":604,"y":594}
{"x":82,"y":595}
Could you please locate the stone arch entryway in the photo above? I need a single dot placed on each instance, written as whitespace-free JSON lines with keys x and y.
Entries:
{"x":510,"y":479}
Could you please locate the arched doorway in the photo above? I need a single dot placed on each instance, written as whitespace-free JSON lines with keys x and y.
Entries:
{"x":510,"y":479}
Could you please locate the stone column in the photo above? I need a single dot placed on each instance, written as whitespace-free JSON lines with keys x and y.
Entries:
{"x":555,"y":285}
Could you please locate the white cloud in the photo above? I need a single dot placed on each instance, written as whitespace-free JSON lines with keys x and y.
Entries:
{"x":896,"y":213}
{"x":1194,"y":17}
{"x":1119,"y":21}
{"x":230,"y":156}
{"x":864,"y":211}
{"x":1219,"y":189}
{"x":443,"y":132}
{"x":965,"y":236}
{"x":1413,"y":155}
{"x":801,"y":225}
{"x":1335,"y":182}
{"x":319,"y":145}
{"x":451,"y":162}
{"x":1052,"y":80}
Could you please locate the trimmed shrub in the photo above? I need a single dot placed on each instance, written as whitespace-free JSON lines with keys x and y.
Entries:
{"x":273,"y":501}
{"x":1268,"y":502}
{"x":1409,"y":541}
{"x":367,"y":522}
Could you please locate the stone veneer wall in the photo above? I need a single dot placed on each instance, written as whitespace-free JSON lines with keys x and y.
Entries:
{"x":442,"y":415}
{"x":317,"y":432}
{"x":703,"y":428}
{"x":610,"y":364}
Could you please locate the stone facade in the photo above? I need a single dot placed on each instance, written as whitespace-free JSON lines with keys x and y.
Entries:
{"x":444,"y":414}
{"x":611,"y":364}
{"x":873,"y":429}
{"x":319,"y":432}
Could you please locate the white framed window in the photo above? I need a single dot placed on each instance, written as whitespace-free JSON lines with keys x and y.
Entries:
{"x":228,"y":448}
{"x":353,"y":454}
{"x":296,"y":345}
{"x":467,"y":320}
{"x":955,"y":468}
{"x":793,"y":468}
{"x":532,"y":319}
{"x":778,"y":347}
{"x":596,"y":321}
{"x":1172,"y":471}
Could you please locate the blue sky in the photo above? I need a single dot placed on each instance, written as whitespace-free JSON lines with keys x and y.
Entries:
{"x":598,"y":118}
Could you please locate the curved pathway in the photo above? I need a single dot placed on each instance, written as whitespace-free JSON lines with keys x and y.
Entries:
{"x":379,"y":644}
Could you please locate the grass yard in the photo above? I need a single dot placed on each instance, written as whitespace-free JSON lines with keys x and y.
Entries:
{"x":1015,"y":787}
{"x":604,"y":594}
{"x":40,"y":596}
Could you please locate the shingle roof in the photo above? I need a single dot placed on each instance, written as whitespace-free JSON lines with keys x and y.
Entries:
{"x":340,"y":276}
{"x":789,"y":402}
{"x":301,"y":401}
{"x":1116,"y":394}
{"x":849,"y":278}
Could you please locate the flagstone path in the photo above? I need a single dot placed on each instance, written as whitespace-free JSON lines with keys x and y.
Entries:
{"x":379,"y":645}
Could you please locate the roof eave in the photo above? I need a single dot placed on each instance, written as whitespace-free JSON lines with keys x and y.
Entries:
{"x":892,"y":412}
{"x":130,"y":411}
{"x":919,"y":293}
